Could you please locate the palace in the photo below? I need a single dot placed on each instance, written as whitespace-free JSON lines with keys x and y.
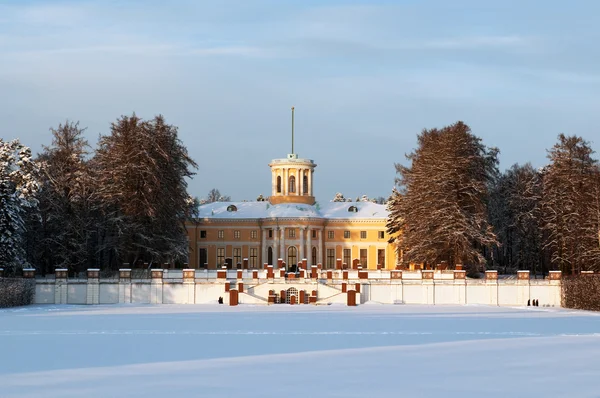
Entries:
{"x":291,"y":226}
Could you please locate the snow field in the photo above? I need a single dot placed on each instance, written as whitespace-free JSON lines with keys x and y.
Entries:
{"x":253,"y":351}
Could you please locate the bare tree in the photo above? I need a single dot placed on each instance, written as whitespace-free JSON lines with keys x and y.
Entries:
{"x":215,"y":196}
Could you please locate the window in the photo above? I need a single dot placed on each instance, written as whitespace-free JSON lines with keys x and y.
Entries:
{"x":237,"y":256}
{"x":253,"y":234}
{"x":363,"y":234}
{"x":305,"y":185}
{"x":314,"y":233}
{"x":221,"y":234}
{"x":363,"y":258}
{"x":381,"y":234}
{"x":292,"y":184}
{"x":291,"y":256}
{"x":231,"y":208}
{"x":278,"y":184}
{"x":236,"y":234}
{"x":330,"y":234}
{"x":353,"y":209}
{"x":292,"y":232}
{"x":220,"y":256}
{"x":346,"y":234}
{"x":314,"y":256}
{"x":270,"y":233}
{"x":253,"y":257}
{"x":270,"y":256}
{"x":202,"y":234}
{"x":347,"y":254}
{"x":330,"y":258}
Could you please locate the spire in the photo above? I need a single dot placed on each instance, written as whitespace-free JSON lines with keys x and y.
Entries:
{"x":292,"y":129}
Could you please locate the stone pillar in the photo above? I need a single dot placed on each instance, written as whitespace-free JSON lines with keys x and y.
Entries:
{"x":189,"y":285}
{"x":245,"y":263}
{"x":302,"y":232}
{"x":309,"y":246}
{"x":156,"y":286}
{"x":338,"y":263}
{"x":282,"y":243}
{"x":93,"y":286}
{"x":284,"y":182}
{"x":320,"y":246}
{"x":60,"y":286}
{"x":523,"y":293}
{"x":460,"y":286}
{"x":233,"y":297}
{"x":270,"y":273}
{"x":428,"y":287}
{"x":124,"y":285}
{"x":222,"y":274}
{"x":263,"y":246}
{"x":313,"y":272}
{"x":28,"y":272}
{"x":276,"y":244}
{"x":351,"y":298}
{"x":298,"y":186}
{"x":310,"y":174}
{"x":491,"y":282}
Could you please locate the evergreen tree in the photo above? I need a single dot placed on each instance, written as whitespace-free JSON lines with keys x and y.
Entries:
{"x":65,"y":236}
{"x":440,"y":210}
{"x":514,"y":213}
{"x":18,"y":189}
{"x":569,"y":206}
{"x":142,"y":170}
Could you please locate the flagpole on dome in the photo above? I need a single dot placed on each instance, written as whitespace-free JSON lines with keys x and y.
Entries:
{"x":292,"y":129}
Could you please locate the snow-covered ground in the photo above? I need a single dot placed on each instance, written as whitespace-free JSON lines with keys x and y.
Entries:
{"x":302,"y":351}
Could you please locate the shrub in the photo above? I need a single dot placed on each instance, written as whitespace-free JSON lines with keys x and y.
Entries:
{"x":581,"y":292}
{"x":16,"y":292}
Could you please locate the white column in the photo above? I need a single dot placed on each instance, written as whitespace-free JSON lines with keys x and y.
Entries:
{"x":302,"y":231}
{"x":273,"y":182}
{"x":263,"y":251}
{"x":309,"y":247}
{"x":282,"y":245}
{"x":285,"y":181}
{"x":275,"y":246}
{"x":298,"y":181}
{"x":310,"y":174}
{"x":320,"y":248}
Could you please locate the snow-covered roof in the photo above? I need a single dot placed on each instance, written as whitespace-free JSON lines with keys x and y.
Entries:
{"x":328,"y":210}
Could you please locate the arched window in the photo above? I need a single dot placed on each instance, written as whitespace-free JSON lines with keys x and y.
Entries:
{"x":291,"y":256}
{"x":231,"y":208}
{"x":292,"y":186}
{"x":353,"y":209}
{"x":278,"y":184}
{"x":314,"y":256}
{"x":305,"y":185}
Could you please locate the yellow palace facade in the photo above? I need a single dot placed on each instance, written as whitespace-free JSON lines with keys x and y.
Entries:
{"x":290,"y":225}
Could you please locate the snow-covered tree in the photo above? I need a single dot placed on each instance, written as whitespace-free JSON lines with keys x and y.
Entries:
{"x":142,"y":169}
{"x":339,"y":197}
{"x":440,"y":209}
{"x":18,"y":190}
{"x":514,"y":213}
{"x":65,"y":236}
{"x":570,"y":206}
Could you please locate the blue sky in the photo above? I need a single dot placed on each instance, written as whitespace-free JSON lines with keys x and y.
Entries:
{"x":365,"y":77}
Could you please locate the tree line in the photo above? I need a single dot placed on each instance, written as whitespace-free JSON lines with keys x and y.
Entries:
{"x":452,"y":206}
{"x":72,"y":206}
